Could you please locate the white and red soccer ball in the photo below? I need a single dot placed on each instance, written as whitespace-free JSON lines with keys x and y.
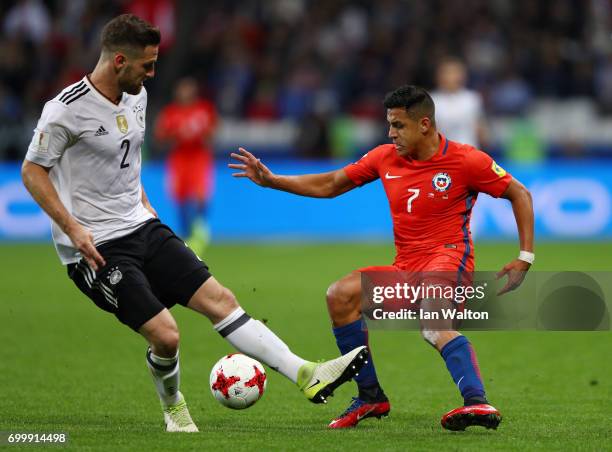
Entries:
{"x":237,"y":381}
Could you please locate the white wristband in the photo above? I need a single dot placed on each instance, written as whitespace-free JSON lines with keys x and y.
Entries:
{"x":527,"y":256}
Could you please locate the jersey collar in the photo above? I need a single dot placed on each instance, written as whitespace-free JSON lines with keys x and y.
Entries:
{"x":443,"y":145}
{"x":441,"y":153}
{"x":101,"y":96}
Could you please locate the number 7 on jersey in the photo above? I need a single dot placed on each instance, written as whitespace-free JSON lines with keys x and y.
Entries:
{"x":415,"y":193}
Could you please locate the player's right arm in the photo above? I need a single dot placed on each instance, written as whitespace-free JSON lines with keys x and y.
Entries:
{"x":36,"y":179}
{"x":51,"y":138}
{"x":322,"y":185}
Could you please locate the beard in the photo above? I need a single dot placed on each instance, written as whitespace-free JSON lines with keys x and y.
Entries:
{"x":130,"y":87}
{"x":129,"y":84}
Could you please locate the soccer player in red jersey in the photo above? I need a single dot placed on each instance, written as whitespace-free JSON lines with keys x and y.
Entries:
{"x":189,"y":124}
{"x":431,"y":185}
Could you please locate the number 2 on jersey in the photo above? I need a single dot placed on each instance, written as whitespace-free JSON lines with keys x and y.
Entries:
{"x":125,"y":144}
{"x":415,"y":193}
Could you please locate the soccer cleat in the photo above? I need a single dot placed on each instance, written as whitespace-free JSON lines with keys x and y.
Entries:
{"x":483,"y":414}
{"x":178,"y":419}
{"x":319,"y":380}
{"x":359,"y":410}
{"x":199,"y":239}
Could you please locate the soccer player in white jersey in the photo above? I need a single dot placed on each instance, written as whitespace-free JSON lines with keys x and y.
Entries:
{"x":83,"y":168}
{"x":459,"y":111}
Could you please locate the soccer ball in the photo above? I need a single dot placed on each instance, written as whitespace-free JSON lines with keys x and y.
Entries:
{"x":237,"y":381}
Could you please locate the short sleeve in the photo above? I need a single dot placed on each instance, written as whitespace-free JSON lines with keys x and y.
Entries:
{"x":485,"y":175}
{"x":365,"y":169}
{"x":52,"y":136}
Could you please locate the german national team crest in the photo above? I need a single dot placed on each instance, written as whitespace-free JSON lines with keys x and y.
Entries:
{"x":139,"y":113}
{"x":441,"y":182}
{"x":115,"y":276}
{"x":122,"y":124}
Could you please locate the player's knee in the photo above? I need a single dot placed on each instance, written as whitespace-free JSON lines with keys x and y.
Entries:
{"x":166,"y":341}
{"x":228,"y":299}
{"x":213,"y":300}
{"x":340,"y":297}
{"x":171,"y":341}
{"x":333,"y":295}
{"x":222,"y":301}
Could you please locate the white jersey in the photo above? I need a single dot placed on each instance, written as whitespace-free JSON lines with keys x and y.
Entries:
{"x":458,"y":114}
{"x":93,"y":149}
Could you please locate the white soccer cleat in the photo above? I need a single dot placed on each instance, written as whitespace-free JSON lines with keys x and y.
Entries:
{"x":319,"y":380}
{"x":178,"y":419}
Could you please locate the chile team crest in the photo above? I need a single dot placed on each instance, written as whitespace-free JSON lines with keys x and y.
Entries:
{"x":441,"y":182}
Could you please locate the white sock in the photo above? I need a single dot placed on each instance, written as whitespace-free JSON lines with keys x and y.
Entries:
{"x":166,"y":376}
{"x":253,"y":338}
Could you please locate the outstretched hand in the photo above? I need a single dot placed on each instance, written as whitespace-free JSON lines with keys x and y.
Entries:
{"x":251,"y":167}
{"x":516,"y":271}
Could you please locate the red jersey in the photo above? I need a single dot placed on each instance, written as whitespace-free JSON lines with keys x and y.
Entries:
{"x":188,"y":126}
{"x":431,"y":201}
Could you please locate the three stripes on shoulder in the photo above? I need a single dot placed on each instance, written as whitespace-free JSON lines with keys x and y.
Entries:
{"x":74,"y":93}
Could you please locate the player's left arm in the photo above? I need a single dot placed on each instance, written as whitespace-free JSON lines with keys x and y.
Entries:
{"x":147,"y":204}
{"x":522,"y":207}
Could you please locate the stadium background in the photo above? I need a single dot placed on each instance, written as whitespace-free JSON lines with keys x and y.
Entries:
{"x":300,"y":83}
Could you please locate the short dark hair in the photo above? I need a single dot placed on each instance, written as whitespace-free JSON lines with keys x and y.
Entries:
{"x":129,"y":32}
{"x":415,"y":100}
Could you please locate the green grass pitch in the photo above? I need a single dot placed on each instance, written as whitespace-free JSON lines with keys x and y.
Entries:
{"x":67,"y":366}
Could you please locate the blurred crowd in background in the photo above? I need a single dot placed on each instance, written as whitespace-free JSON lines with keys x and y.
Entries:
{"x":309,"y":61}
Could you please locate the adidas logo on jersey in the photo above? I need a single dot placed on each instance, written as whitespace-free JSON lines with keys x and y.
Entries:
{"x":101,"y":131}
